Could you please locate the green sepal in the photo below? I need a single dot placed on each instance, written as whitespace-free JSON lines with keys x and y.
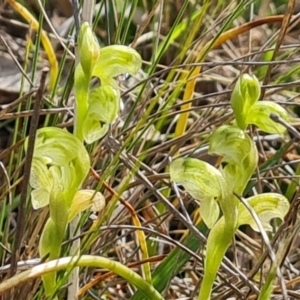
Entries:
{"x":259,"y":115}
{"x":203,"y":182}
{"x":93,"y":129}
{"x":102,"y":110}
{"x":239,"y":153}
{"x":229,"y":141}
{"x":267,"y":206}
{"x":85,"y":199}
{"x":53,"y":145}
{"x":98,"y":108}
{"x":41,"y":181}
{"x":116,"y":60}
{"x":104,"y":102}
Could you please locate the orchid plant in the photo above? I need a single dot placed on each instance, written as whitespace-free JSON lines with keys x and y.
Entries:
{"x":61,"y":161}
{"x":216,"y":189}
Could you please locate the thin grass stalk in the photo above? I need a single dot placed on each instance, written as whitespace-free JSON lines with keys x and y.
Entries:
{"x":83,"y":261}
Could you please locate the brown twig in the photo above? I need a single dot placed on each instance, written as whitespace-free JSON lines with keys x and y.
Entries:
{"x":27,"y":168}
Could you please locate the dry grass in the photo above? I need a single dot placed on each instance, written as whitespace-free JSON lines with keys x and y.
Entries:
{"x":130,"y":165}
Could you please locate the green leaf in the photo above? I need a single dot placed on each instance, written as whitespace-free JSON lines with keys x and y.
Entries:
{"x":259,"y":115}
{"x":245,"y":94}
{"x":84,"y":261}
{"x":267,"y":206}
{"x":176,"y":32}
{"x":203,"y":182}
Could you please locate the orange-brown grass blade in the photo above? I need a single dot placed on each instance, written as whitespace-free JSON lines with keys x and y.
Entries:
{"x":139,"y":233}
{"x":44,"y":38}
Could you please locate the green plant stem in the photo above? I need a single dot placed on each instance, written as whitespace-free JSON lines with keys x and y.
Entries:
{"x":81,"y":92}
{"x":52,"y":238}
{"x":219,"y":240}
{"x":83,"y":261}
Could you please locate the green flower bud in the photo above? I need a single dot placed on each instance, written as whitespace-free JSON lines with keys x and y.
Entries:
{"x":89,"y":50}
{"x":245,"y":94}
